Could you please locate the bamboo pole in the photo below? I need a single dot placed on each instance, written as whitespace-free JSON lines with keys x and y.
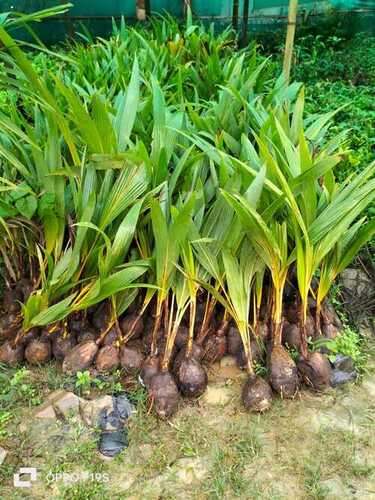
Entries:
{"x":141,"y":10}
{"x":245,"y":23}
{"x":235,"y":14}
{"x":289,"y":43}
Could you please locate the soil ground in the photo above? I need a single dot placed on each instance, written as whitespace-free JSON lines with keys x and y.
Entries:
{"x":318,"y":446}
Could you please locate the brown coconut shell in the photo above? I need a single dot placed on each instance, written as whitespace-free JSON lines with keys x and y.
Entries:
{"x":111,"y":336}
{"x":264,"y":332}
{"x":311,"y":327}
{"x":330,"y":331}
{"x":51,"y":332}
{"x":215,"y":348}
{"x":10,"y":301}
{"x":38,"y":352}
{"x":164,"y":394}
{"x":61,"y":346}
{"x":192,"y":378}
{"x":291,"y":334}
{"x":86,"y":335}
{"x":131,"y":359}
{"x":108,"y":358}
{"x":283,"y":373}
{"x":128,"y":321}
{"x":149,"y":369}
{"x":30,"y":335}
{"x":181,"y":337}
{"x":292,"y":312}
{"x":256,"y":394}
{"x":329,"y":315}
{"x":197,"y":353}
{"x":80,"y":357}
{"x":101,"y":316}
{"x":11,"y":355}
{"x":147,"y":339}
{"x":257,"y":354}
{"x":315,"y":371}
{"x":234,"y":341}
{"x":77,"y":322}
{"x":9,"y":324}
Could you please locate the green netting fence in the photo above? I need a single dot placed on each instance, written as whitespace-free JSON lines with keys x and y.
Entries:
{"x":264,"y":15}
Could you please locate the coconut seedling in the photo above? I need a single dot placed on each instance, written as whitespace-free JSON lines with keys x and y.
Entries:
{"x":269,"y":239}
{"x":191,"y":376}
{"x":162,"y":386}
{"x":321,"y":215}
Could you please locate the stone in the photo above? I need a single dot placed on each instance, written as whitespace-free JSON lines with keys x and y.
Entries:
{"x":45,"y":411}
{"x":217,"y":395}
{"x":340,"y":377}
{"x":343,"y":363}
{"x":67,"y":404}
{"x":92,"y":411}
{"x":3,"y":454}
{"x":356,"y":281}
{"x":190,"y":470}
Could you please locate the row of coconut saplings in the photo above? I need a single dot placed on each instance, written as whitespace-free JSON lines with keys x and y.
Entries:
{"x":172,"y":361}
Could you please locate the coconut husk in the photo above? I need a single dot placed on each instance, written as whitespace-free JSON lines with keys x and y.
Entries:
{"x":311,"y":327}
{"x":38,"y":352}
{"x":181,"y":337}
{"x":192,"y":378}
{"x":264,"y":332}
{"x":330,"y":331}
{"x":234,"y":341}
{"x":101,"y":316}
{"x":10,"y":301}
{"x":51,"y":332}
{"x":24,"y":287}
{"x":329,"y":315}
{"x":197,"y":353}
{"x":133,"y":321}
{"x":108,"y":358}
{"x":11,"y":355}
{"x":30,"y":335}
{"x":9,"y":325}
{"x":77,"y":322}
{"x":292,"y":312}
{"x":164,"y":394}
{"x":80,"y":357}
{"x":61,"y":346}
{"x":147,"y":339}
{"x":256,"y":394}
{"x":215,"y":348}
{"x":111,"y":336}
{"x":257,"y":354}
{"x":291,"y":334}
{"x":131,"y":359}
{"x":315,"y":371}
{"x":87,"y":335}
{"x":283,"y":373}
{"x":149,"y":369}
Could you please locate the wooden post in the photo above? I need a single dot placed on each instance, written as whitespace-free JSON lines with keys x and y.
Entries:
{"x":289,"y":43}
{"x":235,"y":15}
{"x":141,"y":10}
{"x":245,"y":23}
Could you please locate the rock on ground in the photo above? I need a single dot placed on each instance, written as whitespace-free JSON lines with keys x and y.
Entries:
{"x":3,"y":454}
